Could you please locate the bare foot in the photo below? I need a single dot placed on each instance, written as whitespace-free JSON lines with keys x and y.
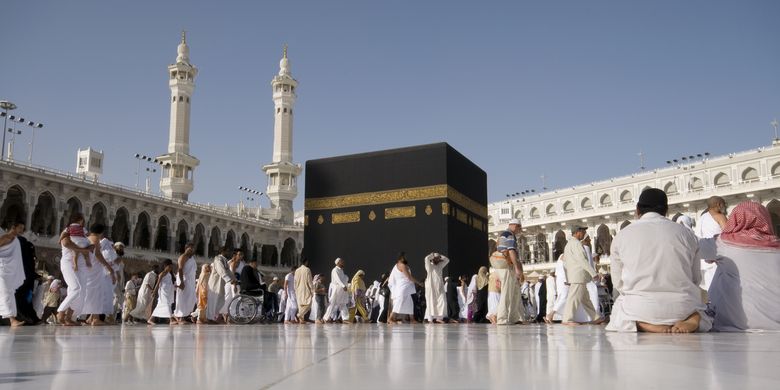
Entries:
{"x":570,"y":323}
{"x":548,"y":319}
{"x":150,"y":322}
{"x":652,"y":328}
{"x":15,"y":322}
{"x":492,"y":319}
{"x":689,"y":325}
{"x":438,"y":321}
{"x":599,"y":321}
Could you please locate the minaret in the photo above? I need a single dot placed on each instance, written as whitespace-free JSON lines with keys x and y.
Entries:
{"x":178,"y":165}
{"x":282,"y":172}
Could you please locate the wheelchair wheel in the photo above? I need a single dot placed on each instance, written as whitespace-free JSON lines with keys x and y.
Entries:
{"x":243,"y":309}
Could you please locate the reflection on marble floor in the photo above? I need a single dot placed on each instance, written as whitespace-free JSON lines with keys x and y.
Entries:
{"x":409,"y":356}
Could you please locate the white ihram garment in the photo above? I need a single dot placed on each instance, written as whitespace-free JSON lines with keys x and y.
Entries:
{"x":164,"y":297}
{"x":11,"y":277}
{"x":708,"y":227}
{"x":339,"y":298}
{"x":435,"y":296}
{"x":402,"y":289}
{"x":76,"y":280}
{"x":185,"y":297}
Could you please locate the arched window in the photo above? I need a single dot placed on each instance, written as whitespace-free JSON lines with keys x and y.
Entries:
{"x":697,"y":184}
{"x":670,"y":188}
{"x":750,"y":174}
{"x":626,"y":196}
{"x":722,"y":179}
{"x":163,"y":228}
{"x":586,"y":204}
{"x":44,"y":218}
{"x":776,"y":169}
{"x":142,"y":233}
{"x":519,"y":214}
{"x":568,"y":207}
{"x":550,"y":210}
{"x":534,"y":212}
{"x":605,"y":200}
{"x":120,"y":230}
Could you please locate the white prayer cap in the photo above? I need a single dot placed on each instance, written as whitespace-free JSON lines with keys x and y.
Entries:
{"x":337,"y":260}
{"x":119,"y":244}
{"x":515,"y":221}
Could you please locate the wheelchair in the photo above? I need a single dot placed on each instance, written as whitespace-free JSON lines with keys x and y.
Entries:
{"x":247,"y":307}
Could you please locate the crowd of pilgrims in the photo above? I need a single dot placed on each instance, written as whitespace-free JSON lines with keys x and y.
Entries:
{"x":718,"y":273}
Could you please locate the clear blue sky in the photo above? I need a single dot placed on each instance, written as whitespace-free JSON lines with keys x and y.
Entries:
{"x":569,"y":89}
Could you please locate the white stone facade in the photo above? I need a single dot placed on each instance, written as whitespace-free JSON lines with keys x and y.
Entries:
{"x":607,"y":206}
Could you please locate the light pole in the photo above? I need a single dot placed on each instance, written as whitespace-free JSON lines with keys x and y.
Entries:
{"x":6,"y":106}
{"x":34,"y":126}
{"x":774,"y":124}
{"x":252,"y":192}
{"x":149,"y":171}
{"x":11,"y":144}
{"x":144,"y":158}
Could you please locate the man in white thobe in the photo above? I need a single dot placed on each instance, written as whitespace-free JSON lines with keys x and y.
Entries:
{"x":550,"y":286}
{"x":656,"y":271}
{"x":220,"y":277}
{"x":710,"y":225}
{"x":339,"y":296}
{"x":11,"y":275}
{"x":578,"y":274}
{"x":435,"y":295}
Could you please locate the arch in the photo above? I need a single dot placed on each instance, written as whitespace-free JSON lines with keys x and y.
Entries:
{"x":269,"y":255}
{"x":645,"y":188}
{"x":626,"y":196}
{"x":519,"y":214}
{"x":492,"y":245}
{"x":142,"y":234}
{"x":559,"y":244}
{"x":603,"y":240}
{"x":199,"y":240}
{"x":541,"y":248}
{"x":230,"y":240}
{"x":215,"y":241}
{"x":73,"y":205}
{"x":245,"y":245}
{"x":289,"y":255}
{"x":161,"y":242}
{"x":722,"y":179}
{"x":697,"y":184}
{"x":255,"y":252}
{"x":99,"y":214}
{"x":750,"y":174}
{"x":676,"y":216}
{"x":44,"y":217}
{"x":534,"y":212}
{"x":605,"y":200}
{"x":774,"y":211}
{"x":586,"y":204}
{"x":120,"y":230}
{"x":624,"y":224}
{"x":13,"y":209}
{"x":568,"y":207}
{"x":182,"y":236}
{"x":776,"y":169}
{"x":550,"y":210}
{"x":670,"y":188}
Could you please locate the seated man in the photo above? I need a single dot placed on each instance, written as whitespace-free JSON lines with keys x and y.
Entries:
{"x":656,"y":271}
{"x":250,"y":281}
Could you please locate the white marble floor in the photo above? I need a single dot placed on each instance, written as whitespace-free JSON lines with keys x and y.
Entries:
{"x":402,"y":356}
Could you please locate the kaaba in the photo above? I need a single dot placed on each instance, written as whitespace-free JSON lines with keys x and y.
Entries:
{"x":367,"y":208}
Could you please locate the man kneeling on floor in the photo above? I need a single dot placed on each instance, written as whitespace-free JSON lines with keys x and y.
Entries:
{"x":656,"y":271}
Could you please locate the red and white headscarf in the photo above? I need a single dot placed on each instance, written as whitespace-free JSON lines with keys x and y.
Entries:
{"x":750,"y":225}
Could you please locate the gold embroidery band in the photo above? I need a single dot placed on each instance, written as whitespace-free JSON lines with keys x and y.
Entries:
{"x":400,"y":212}
{"x":396,"y":196}
{"x":350,"y":217}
